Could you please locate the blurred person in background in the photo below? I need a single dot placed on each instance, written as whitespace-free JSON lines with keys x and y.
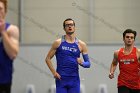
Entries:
{"x":9,"y":47}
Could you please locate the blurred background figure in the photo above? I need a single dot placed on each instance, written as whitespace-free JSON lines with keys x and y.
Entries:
{"x":9,"y":47}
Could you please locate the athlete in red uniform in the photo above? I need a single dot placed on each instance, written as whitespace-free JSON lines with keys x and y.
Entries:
{"x":128,"y":58}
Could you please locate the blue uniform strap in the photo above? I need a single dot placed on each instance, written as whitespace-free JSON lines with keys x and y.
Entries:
{"x":76,"y":40}
{"x":7,"y":25}
{"x":63,"y":38}
{"x":86,"y":63}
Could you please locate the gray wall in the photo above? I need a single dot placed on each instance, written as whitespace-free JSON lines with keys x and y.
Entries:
{"x":42,"y":19}
{"x":12,"y":14}
{"x":30,"y":68}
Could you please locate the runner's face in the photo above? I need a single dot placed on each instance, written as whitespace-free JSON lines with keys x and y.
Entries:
{"x":69,"y":27}
{"x":129,"y":39}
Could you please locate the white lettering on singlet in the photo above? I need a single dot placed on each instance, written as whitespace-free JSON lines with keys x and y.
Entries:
{"x":127,"y":61}
{"x":69,"y":48}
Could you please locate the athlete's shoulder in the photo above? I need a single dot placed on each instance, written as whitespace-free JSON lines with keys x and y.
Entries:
{"x":116,"y":52}
{"x":138,"y":50}
{"x":81,"y":42}
{"x":13,"y":29}
{"x":82,"y":47}
{"x":56,"y":43}
{"x":120,"y":49}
